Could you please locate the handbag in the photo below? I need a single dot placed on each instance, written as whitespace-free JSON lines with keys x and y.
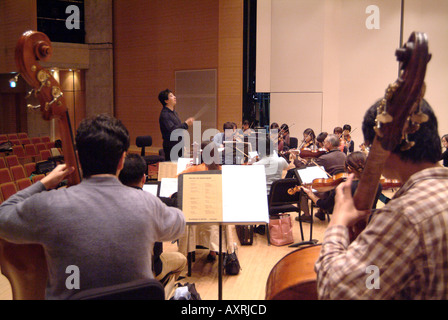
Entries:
{"x":280,"y":230}
{"x":231,"y":264}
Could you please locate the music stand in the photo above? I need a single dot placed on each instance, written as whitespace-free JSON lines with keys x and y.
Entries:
{"x":306,"y":176}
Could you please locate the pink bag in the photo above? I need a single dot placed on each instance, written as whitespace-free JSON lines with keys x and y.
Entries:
{"x":280,"y":230}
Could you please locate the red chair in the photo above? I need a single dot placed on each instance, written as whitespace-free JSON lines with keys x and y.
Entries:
{"x":18,"y":151}
{"x":3,"y":163}
{"x":8,"y":189}
{"x":3,"y":137}
{"x":37,"y":177}
{"x":18,"y":172}
{"x":12,"y":160}
{"x":22,"y":135}
{"x":5,"y":175}
{"x":40,"y":146}
{"x":13,"y":136}
{"x":45,"y":139}
{"x":44,"y":155}
{"x":30,"y":152}
{"x":25,"y":141}
{"x":36,"y":140}
{"x":23,"y":183}
{"x":15,"y":142}
{"x":29,"y":167}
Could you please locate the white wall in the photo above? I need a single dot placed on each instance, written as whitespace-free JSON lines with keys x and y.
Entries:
{"x":325,"y":68}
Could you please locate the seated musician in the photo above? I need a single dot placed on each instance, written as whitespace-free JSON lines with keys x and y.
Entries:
{"x":285,"y":137}
{"x":167,"y":266}
{"x":227,"y":134}
{"x":105,"y":229}
{"x":355,"y":164}
{"x":320,"y":140}
{"x":206,"y":235}
{"x":402,"y":253}
{"x":349,"y":144}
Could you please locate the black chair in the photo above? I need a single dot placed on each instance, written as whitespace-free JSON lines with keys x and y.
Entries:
{"x":143,"y":289}
{"x":293,"y":143}
{"x":146,"y":141}
{"x":281,"y":201}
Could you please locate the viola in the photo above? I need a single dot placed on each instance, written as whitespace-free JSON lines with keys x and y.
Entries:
{"x":24,"y":265}
{"x":309,"y":153}
{"x":398,"y":115}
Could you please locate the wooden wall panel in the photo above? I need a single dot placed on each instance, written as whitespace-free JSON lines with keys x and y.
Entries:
{"x":152,"y":40}
{"x":16,"y":17}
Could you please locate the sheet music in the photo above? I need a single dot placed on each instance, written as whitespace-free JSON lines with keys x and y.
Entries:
{"x":151,"y":188}
{"x":244,"y":194}
{"x":308,"y":174}
{"x":168,"y":186}
{"x":167,"y":169}
{"x":183,"y":163}
{"x":202,"y":197}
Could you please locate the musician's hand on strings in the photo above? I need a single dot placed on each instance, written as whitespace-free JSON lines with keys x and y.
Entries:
{"x":55,"y":177}
{"x":344,"y":212}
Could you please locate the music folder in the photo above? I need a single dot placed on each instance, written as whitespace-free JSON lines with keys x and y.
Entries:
{"x":233,"y":195}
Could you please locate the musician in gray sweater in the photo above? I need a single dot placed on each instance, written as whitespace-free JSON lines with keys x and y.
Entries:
{"x":100,"y":227}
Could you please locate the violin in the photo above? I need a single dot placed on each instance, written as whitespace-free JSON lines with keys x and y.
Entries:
{"x":24,"y":265}
{"x":398,"y":114}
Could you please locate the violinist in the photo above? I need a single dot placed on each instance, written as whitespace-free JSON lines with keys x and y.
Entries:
{"x":405,"y":241}
{"x":284,"y":136}
{"x":349,"y":145}
{"x":355,"y":164}
{"x":88,"y":225}
{"x":334,"y":160}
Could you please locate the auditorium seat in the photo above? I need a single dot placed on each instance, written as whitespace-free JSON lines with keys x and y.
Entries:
{"x":8,"y":189}
{"x":18,"y":172}
{"x":23,"y":183}
{"x":5,"y":175}
{"x":29,"y":167}
{"x":12,"y":160}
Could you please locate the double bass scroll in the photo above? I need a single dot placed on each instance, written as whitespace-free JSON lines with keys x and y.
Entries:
{"x":25,"y":265}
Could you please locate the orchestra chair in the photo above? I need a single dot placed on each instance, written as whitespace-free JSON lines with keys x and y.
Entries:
{"x":142,"y":289}
{"x":280,"y":201}
{"x":18,"y":172}
{"x":23,"y":183}
{"x":12,"y":160}
{"x":293,"y":143}
{"x":8,"y":189}
{"x":151,"y":160}
{"x":5,"y":175}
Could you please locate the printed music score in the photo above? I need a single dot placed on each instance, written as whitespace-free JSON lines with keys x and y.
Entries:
{"x":202,"y":197}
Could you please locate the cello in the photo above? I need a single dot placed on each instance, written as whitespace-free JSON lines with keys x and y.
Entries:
{"x":398,"y":115}
{"x":24,"y":265}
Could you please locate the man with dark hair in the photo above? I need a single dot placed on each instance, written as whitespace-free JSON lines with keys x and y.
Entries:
{"x":105,"y":229}
{"x":167,"y":266}
{"x":402,"y":253}
{"x":169,"y":121}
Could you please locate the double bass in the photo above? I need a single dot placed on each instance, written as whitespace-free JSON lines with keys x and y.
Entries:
{"x":24,"y":265}
{"x":398,"y":115}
